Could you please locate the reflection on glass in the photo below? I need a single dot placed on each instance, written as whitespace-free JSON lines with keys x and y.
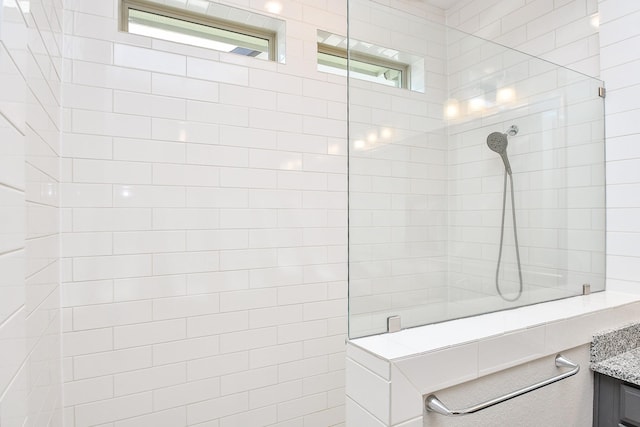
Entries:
{"x":426,"y":191}
{"x":181,"y":31}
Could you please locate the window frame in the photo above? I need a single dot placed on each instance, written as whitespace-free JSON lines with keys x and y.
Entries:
{"x":199,"y":19}
{"x":405,"y":69}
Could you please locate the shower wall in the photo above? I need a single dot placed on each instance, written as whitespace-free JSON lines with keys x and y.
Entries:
{"x":564,"y":32}
{"x":567,"y":34}
{"x":204,"y":227}
{"x":30,"y":123}
{"x":587,"y":35}
{"x":558,"y":164}
{"x":424,"y":230}
{"x":398,"y":174}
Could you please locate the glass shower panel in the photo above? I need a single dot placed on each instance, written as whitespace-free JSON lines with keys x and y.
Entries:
{"x":427,"y":183}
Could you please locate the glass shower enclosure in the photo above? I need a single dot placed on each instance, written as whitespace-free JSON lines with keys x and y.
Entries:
{"x":477,"y":186}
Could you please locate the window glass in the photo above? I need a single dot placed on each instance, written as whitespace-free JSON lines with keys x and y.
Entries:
{"x":223,"y":36}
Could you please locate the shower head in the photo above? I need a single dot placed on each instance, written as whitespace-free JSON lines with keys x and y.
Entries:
{"x":497,"y":141}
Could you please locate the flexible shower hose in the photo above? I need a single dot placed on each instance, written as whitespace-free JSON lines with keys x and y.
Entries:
{"x":515,"y":236}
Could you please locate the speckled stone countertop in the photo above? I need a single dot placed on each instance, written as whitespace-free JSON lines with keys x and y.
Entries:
{"x":617,"y":353}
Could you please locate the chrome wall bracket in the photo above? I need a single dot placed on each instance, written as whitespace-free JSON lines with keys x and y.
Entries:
{"x":602,"y":92}
{"x":394,"y":324}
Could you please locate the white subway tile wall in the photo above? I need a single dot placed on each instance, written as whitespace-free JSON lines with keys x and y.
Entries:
{"x":426,"y":191}
{"x":183,"y":192}
{"x":398,"y":176}
{"x":30,"y":124}
{"x":601,"y":32}
{"x":563,"y":32}
{"x":557,"y":160}
{"x":619,"y":70}
{"x":204,"y":227}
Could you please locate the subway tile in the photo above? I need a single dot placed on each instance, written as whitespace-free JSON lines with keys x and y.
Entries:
{"x":14,"y":345}
{"x":168,"y":418}
{"x":86,"y":195}
{"x":258,"y":417}
{"x":148,"y":242}
{"x":247,"y":97}
{"x":139,"y":196}
{"x":107,"y":363}
{"x":265,"y":198}
{"x":149,"y":333}
{"x":148,"y":105}
{"x":150,"y":60}
{"x":89,"y":390}
{"x":185,"y":219}
{"x":202,"y":283}
{"x":248,"y":137}
{"x":110,"y":124}
{"x":329,"y":381}
{"x":276,"y":82}
{"x":12,"y":283}
{"x":247,"y":259}
{"x":144,"y":288}
{"x":212,"y":240}
{"x":275,"y":355}
{"x":247,"y":300}
{"x":101,"y":75}
{"x":302,"y":293}
{"x":106,"y":315}
{"x":302,"y":331}
{"x":274,"y":394}
{"x":87,"y":49}
{"x":275,"y":120}
{"x":276,"y":315}
{"x":248,"y":218}
{"x":91,"y":7}
{"x":186,"y":306}
{"x":113,"y":409}
{"x":280,"y":237}
{"x":86,"y":342}
{"x":221,"y":113}
{"x":185,"y":350}
{"x":184,"y":394}
{"x":187,"y":175}
{"x":86,"y":293}
{"x":216,"y":155}
{"x":185,"y":262}
{"x":93,"y":25}
{"x":184,"y":131}
{"x":214,"y":324}
{"x":276,"y":276}
{"x":216,"y":408}
{"x":217,"y":71}
{"x":87,"y":146}
{"x":269,"y":159}
{"x":111,"y":267}
{"x":182,"y":87}
{"x":248,"y":380}
{"x":201,"y":197}
{"x":87,"y":97}
{"x":148,"y":150}
{"x":304,"y":405}
{"x":111,"y":172}
{"x":149,"y":379}
{"x":113,"y":219}
{"x":509,"y":350}
{"x":246,"y":340}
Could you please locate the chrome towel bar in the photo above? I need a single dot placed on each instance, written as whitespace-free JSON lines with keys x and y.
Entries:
{"x":433,"y":404}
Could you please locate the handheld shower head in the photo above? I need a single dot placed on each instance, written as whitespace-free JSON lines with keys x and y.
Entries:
{"x":497,"y":141}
